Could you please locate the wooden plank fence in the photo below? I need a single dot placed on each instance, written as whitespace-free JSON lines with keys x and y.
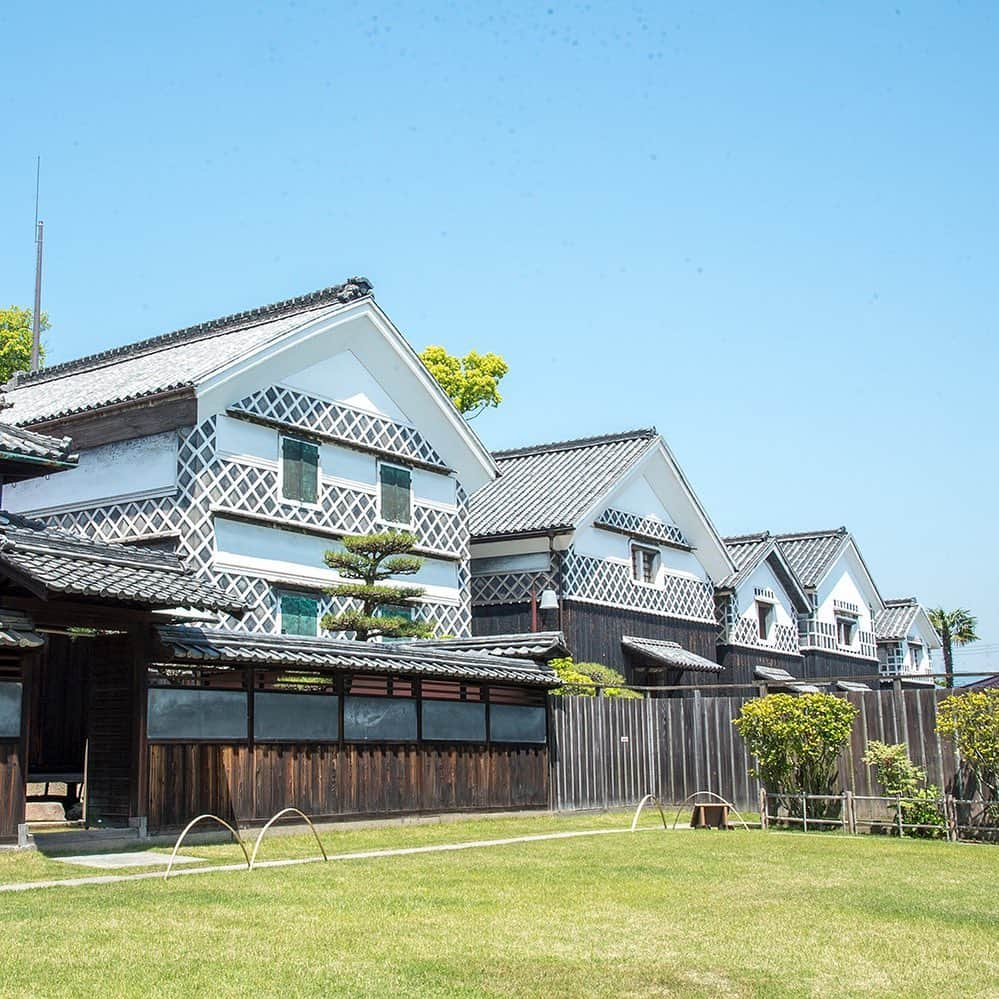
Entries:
{"x":608,"y":752}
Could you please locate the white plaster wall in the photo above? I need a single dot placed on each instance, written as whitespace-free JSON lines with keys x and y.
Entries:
{"x":343,"y":378}
{"x":765,"y":578}
{"x":600,"y":543}
{"x":270,"y":552}
{"x":846,"y":581}
{"x":139,"y":468}
{"x":638,"y":497}
{"x":241,"y":439}
{"x":394,"y":381}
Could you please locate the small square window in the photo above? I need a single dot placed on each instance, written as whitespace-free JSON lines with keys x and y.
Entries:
{"x":299,"y":471}
{"x":299,"y":614}
{"x":396,"y":493}
{"x":644,"y":564}
{"x":846,"y":630}
{"x":766,"y":614}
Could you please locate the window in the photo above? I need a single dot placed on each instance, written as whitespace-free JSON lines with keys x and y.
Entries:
{"x":917,"y":655}
{"x":644,"y":564}
{"x":765,"y":615}
{"x":299,"y":471}
{"x":295,"y":707}
{"x":299,"y":614}
{"x":195,"y":705}
{"x":395,"y":493}
{"x":846,"y":630}
{"x":10,"y":710}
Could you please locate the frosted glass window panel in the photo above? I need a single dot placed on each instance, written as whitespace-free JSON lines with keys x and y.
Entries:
{"x":197,"y":715}
{"x":454,"y":721}
{"x":10,"y":710}
{"x":379,"y":719}
{"x":516,"y":723}
{"x":295,"y":717}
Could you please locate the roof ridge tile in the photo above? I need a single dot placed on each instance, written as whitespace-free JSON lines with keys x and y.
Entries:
{"x":571,"y":445}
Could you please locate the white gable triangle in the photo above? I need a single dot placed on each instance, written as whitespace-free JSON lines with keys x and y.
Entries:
{"x":343,"y":378}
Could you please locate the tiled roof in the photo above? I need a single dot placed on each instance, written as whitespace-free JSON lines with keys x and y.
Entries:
{"x":26,"y":446}
{"x":811,"y":553}
{"x":775,"y":676}
{"x":192,"y":644}
{"x":894,"y":622}
{"x":539,"y":646}
{"x":670,"y":655}
{"x":168,"y":362}
{"x":17,"y":630}
{"x":747,"y":551}
{"x":550,"y":486}
{"x":49,"y":561}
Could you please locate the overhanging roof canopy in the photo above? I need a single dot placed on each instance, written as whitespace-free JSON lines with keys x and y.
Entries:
{"x":17,"y":631}
{"x":660,"y":654}
{"x":25,"y":454}
{"x":216,"y":647}
{"x":774,"y":676}
{"x":540,"y":646}
{"x":52,"y":563}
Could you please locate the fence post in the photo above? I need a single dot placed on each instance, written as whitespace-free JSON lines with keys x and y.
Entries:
{"x":898,"y":816}
{"x":843,"y":818}
{"x":804,"y":812}
{"x":764,"y":806}
{"x":950,"y":818}
{"x":851,"y":813}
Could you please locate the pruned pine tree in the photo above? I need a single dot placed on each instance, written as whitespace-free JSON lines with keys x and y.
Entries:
{"x":367,"y":563}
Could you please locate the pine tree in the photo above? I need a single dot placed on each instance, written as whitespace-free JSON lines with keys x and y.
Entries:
{"x":369,"y":560}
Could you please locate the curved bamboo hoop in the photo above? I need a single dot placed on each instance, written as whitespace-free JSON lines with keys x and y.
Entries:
{"x":724,"y":801}
{"x":273,"y":819}
{"x":194,"y":822}
{"x":642,"y":804}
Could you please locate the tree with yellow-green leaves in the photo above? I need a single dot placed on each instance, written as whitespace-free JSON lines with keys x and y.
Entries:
{"x":471,"y":382}
{"x":15,"y":340}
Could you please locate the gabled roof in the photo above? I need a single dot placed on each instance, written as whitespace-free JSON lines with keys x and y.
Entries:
{"x":811,"y":553}
{"x":749,"y":551}
{"x":51,"y":563}
{"x":896,"y":619}
{"x":168,"y":362}
{"x":661,"y":654}
{"x":551,"y":486}
{"x":221,"y":648}
{"x":25,"y":454}
{"x":540,"y":646}
{"x":900,"y":617}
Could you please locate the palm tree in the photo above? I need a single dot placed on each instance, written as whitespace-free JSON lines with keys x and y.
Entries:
{"x":956,"y":627}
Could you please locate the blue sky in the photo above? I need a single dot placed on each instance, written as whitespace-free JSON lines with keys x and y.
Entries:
{"x":769,"y":230}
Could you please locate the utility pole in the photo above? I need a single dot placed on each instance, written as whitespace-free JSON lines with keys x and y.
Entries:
{"x":36,"y":315}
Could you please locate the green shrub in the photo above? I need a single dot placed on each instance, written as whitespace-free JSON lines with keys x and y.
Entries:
{"x":972,"y":720}
{"x":796,"y":741}
{"x":582,"y":680}
{"x":901,"y":778}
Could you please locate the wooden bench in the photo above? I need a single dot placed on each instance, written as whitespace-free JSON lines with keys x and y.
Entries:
{"x":713,"y":816}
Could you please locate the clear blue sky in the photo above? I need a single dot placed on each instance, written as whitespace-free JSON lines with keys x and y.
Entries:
{"x":769,"y":230}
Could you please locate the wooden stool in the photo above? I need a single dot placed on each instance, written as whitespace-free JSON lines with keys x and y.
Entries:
{"x":714,"y":816}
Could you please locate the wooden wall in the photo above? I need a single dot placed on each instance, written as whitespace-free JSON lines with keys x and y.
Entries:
{"x":819,"y":665}
{"x":11,"y":790}
{"x":608,"y":752}
{"x":253,"y":782}
{"x":740,"y":664}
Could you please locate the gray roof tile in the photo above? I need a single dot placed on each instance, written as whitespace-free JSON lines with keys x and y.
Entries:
{"x":894,"y":622}
{"x":17,"y":630}
{"x":17,"y":443}
{"x":747,"y":551}
{"x":51,"y":561}
{"x":670,"y":655}
{"x":539,"y":646}
{"x":811,"y":553}
{"x":550,"y":486}
{"x":216,"y":647}
{"x":163,"y":363}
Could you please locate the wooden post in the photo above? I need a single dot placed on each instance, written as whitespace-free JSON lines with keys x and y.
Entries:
{"x":804,"y":812}
{"x":764,"y":809}
{"x":898,"y":816}
{"x":851,"y":813}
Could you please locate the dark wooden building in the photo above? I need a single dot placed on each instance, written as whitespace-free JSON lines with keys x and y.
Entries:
{"x":604,"y":539}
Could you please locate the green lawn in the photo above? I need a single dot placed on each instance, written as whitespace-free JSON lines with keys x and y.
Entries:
{"x":685,"y":912}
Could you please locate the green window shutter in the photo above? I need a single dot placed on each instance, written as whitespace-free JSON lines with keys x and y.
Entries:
{"x":310,"y":473}
{"x":299,"y":614}
{"x":395,"y":487}
{"x":299,"y":471}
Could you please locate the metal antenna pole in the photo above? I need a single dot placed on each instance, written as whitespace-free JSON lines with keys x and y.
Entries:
{"x":36,"y":315}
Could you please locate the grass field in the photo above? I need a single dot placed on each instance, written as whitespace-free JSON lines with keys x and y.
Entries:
{"x":655,"y":913}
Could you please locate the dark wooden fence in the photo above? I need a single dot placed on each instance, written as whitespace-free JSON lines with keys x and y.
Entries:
{"x":608,"y":752}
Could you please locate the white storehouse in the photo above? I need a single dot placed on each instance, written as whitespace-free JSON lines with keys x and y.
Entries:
{"x":609,"y":530}
{"x":906,"y":638}
{"x":251,"y":444}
